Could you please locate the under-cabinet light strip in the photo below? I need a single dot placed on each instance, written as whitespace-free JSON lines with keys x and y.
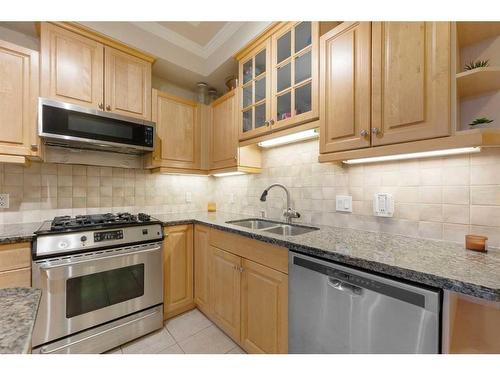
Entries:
{"x":416,"y":155}
{"x":290,"y":138}
{"x":227,"y":174}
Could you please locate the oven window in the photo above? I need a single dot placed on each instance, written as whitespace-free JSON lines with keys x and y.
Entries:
{"x":93,"y":292}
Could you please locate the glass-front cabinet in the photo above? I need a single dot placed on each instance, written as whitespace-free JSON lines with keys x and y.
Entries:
{"x":279,"y":79}
{"x":295,"y":71}
{"x":255,"y":86}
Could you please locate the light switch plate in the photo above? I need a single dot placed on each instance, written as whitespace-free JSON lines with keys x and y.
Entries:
{"x":383,"y":204}
{"x":343,"y":203}
{"x":4,"y":200}
{"x":189,"y":197}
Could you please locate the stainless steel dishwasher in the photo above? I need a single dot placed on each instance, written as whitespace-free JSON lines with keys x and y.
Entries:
{"x":338,"y":309}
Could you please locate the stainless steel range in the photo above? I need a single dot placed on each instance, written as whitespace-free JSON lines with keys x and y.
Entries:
{"x":101,"y":278}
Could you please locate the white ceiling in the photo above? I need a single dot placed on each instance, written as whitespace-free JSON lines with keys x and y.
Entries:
{"x":186,"y":52}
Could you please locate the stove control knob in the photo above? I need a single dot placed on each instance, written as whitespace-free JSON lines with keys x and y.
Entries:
{"x":83,"y":238}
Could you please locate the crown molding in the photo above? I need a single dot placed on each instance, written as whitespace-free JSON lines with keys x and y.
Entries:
{"x":177,"y":39}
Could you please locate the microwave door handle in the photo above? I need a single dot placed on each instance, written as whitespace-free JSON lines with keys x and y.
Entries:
{"x":48,"y":267}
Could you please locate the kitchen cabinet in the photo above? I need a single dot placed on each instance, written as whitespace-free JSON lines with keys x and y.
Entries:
{"x":178,"y":134}
{"x":225,"y":153}
{"x":295,"y":74}
{"x":345,"y":87}
{"x":79,"y":67}
{"x":127,"y":84}
{"x":244,"y":284}
{"x":410,"y":81}
{"x":15,"y":265}
{"x":201,"y":268}
{"x":278,"y":75}
{"x":384,"y":83}
{"x":178,"y":270}
{"x":264,"y":309}
{"x":225,"y":291}
{"x":18,"y":102}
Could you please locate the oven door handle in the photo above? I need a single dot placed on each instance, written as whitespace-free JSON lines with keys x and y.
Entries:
{"x":47,"y":267}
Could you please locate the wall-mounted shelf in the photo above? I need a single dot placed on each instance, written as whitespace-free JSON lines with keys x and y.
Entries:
{"x":474,"y":32}
{"x":478,"y":81}
{"x":464,"y":138}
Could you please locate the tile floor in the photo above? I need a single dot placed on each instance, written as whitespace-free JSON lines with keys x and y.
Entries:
{"x":189,"y":333}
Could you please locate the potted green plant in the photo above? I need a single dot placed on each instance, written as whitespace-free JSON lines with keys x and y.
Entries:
{"x":480,"y":123}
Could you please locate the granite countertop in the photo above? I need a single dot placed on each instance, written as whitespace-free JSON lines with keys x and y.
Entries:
{"x":440,"y":264}
{"x":18,"y":308}
{"x":12,"y":233}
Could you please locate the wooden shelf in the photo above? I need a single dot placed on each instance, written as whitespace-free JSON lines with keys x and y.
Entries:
{"x":465,"y":138}
{"x":478,"y":81}
{"x":474,"y":32}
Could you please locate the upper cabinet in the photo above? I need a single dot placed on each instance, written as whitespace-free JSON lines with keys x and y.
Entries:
{"x":18,"y":102}
{"x":410,"y":81}
{"x":127,"y":84}
{"x":384,"y":83}
{"x":84,"y":70}
{"x":178,"y":134}
{"x":225,"y":153}
{"x":295,"y":74}
{"x":278,"y":77}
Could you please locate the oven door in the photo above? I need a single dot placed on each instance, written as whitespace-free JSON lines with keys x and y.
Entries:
{"x":83,"y":291}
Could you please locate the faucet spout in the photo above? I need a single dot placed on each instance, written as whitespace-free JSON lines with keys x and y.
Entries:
{"x":289,"y":212}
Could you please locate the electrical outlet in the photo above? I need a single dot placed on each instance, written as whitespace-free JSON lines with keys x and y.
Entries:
{"x":383,"y":205}
{"x":189,"y":197}
{"x":4,"y":200}
{"x":343,"y":203}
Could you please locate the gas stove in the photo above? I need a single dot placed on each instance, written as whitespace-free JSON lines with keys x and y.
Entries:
{"x":83,"y":233}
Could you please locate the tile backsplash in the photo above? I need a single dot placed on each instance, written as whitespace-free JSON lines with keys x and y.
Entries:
{"x":439,"y":198}
{"x":44,"y":190}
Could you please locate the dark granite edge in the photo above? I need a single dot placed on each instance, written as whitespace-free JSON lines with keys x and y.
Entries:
{"x":419,"y":277}
{"x":16,"y":239}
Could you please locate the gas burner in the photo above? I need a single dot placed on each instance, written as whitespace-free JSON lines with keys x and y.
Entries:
{"x":62,"y":223}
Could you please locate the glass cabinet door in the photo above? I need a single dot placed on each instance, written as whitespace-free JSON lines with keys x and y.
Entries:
{"x":295,"y":72}
{"x":255,"y":92}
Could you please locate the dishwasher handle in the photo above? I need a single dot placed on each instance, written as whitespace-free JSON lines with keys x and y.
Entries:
{"x":342,"y":286}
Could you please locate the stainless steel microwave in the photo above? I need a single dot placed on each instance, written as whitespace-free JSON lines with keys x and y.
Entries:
{"x":70,"y":125}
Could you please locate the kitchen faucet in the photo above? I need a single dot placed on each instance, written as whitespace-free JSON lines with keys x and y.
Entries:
{"x":289,"y":213}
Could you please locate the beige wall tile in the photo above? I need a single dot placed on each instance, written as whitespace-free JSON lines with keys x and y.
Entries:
{"x":484,"y":175}
{"x":456,"y":194}
{"x":456,"y":175}
{"x":430,"y":194}
{"x":485,"y":195}
{"x":455,"y":213}
{"x":431,"y":212}
{"x":455,"y":232}
{"x":430,"y":230}
{"x":485,"y":215}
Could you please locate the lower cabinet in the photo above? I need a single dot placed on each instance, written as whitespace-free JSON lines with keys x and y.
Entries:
{"x":15,"y":265}
{"x":242,"y":286}
{"x":178,"y":270}
{"x":264,"y":309}
{"x":225,"y":291}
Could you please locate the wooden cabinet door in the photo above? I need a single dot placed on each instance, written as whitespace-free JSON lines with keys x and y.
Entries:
{"x":254,"y":92}
{"x":201,"y":268}
{"x":295,"y":63}
{"x":178,"y":270}
{"x":410,"y":81}
{"x":177,"y":130}
{"x":127,"y":84}
{"x":225,"y":291}
{"x":345,"y":87}
{"x":18,"y":100}
{"x":264,"y":309}
{"x":224,"y":137}
{"x":71,"y":67}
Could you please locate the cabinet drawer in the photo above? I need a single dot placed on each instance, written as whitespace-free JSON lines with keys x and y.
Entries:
{"x":275,"y":257}
{"x":16,"y":278}
{"x":14,"y":256}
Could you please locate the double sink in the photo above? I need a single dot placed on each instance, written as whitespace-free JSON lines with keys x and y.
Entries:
{"x":274,"y":227}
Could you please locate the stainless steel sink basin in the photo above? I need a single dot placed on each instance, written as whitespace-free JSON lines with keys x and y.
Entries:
{"x":273,"y":227}
{"x":253,"y":223}
{"x":290,"y":230}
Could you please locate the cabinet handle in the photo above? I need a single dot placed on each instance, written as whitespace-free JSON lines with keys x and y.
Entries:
{"x":271,"y":122}
{"x":364,"y":133}
{"x":101,"y":106}
{"x":266,"y":123}
{"x":108,"y":108}
{"x":376,"y":131}
{"x":34,"y":147}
